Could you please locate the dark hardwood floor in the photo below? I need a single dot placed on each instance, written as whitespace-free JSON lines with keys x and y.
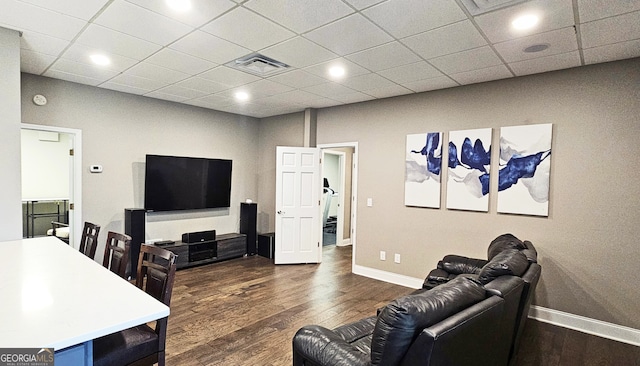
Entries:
{"x":245,"y":312}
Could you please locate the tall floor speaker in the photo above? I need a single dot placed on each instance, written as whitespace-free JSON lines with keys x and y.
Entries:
{"x":134,"y":226}
{"x":248,"y":219}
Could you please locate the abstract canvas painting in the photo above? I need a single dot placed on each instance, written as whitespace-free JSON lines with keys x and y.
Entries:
{"x":423,"y":162}
{"x":525,"y":164}
{"x":468,"y":174}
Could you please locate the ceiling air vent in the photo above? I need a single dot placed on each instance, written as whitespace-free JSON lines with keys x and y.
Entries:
{"x":477,"y":7}
{"x":258,"y":64}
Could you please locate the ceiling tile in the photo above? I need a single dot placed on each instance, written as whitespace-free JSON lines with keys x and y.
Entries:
{"x":267,"y":87}
{"x":554,"y":14}
{"x":612,"y":52}
{"x":478,"y":58}
{"x":123,"y":88}
{"x":42,"y":43}
{"x":403,"y":18}
{"x":300,"y":15}
{"x":179,"y":61}
{"x":203,"y":85}
{"x":76,"y":78}
{"x":482,"y":75}
{"x":81,"y":53}
{"x":329,"y":90}
{"x":208,"y":47}
{"x":112,"y":41}
{"x":210,"y":101}
{"x":597,"y":9}
{"x":83,"y":9}
{"x":322,"y":69}
{"x":180,"y":91}
{"x":544,"y":64}
{"x":138,"y":82}
{"x":22,"y":16}
{"x":299,"y":52}
{"x":611,"y":30}
{"x":430,"y":84}
{"x":389,"y":91}
{"x":255,"y":33}
{"x":366,"y":82}
{"x":229,"y":77}
{"x":361,"y":4}
{"x":443,"y":41}
{"x":297,"y":79}
{"x":142,"y":23}
{"x":167,"y":96}
{"x":82,"y":70}
{"x":559,"y":41}
{"x":408,"y":73}
{"x":34,"y":62}
{"x":295,"y":96}
{"x":201,"y":12}
{"x":354,"y":97}
{"x":384,"y":57}
{"x":348,"y":35}
{"x":150,"y":71}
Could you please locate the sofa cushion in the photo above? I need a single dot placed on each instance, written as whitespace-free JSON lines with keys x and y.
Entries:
{"x":456,"y":264}
{"x":508,"y":262}
{"x":504,"y":242}
{"x":401,"y":321}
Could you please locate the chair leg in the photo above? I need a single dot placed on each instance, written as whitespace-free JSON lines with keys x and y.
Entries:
{"x":161,"y":358}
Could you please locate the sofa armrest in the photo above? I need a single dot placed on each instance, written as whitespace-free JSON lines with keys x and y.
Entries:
{"x":456,"y":264}
{"x":317,"y":345}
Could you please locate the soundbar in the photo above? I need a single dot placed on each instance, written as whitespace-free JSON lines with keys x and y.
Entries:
{"x":199,"y":236}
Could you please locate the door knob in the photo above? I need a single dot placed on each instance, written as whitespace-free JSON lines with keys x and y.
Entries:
{"x":280,"y":212}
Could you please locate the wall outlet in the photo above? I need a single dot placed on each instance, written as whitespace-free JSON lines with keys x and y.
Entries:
{"x":383,"y":255}
{"x":369,"y":202}
{"x":396,"y":258}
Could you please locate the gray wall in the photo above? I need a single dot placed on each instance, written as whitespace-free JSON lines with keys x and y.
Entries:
{"x":119,"y":129}
{"x":588,"y":246}
{"x":10,"y":196}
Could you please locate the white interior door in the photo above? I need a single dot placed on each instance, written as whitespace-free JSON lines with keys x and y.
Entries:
{"x":298,"y":229}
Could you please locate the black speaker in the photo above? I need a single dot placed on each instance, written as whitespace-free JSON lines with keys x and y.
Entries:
{"x":134,"y":226}
{"x":198,"y":236}
{"x":248,"y":219}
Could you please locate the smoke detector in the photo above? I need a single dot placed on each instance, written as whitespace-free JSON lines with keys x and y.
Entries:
{"x":477,"y":7}
{"x":258,"y":64}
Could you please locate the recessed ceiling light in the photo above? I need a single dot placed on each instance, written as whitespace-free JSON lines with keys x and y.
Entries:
{"x":337,"y":71}
{"x":524,"y":22}
{"x":99,"y":59}
{"x":179,"y":5}
{"x":537,"y":48}
{"x":242,"y":96}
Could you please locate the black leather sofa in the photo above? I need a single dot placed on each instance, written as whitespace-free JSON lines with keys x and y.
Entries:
{"x":463,"y":319}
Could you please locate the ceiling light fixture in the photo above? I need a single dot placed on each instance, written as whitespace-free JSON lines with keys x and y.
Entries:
{"x":99,"y":59}
{"x":179,"y":5}
{"x":537,"y":48}
{"x":525,"y":22}
{"x":337,"y":71}
{"x":242,"y":96}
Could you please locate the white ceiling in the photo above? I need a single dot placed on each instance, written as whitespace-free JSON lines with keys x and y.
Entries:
{"x":388,"y":48}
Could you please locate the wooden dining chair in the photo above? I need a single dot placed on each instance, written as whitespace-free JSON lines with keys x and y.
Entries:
{"x":89,"y":239}
{"x":117,"y":252}
{"x":142,"y":345}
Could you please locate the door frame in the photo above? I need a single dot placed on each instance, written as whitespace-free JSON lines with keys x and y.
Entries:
{"x":354,"y":192}
{"x":75,"y":215}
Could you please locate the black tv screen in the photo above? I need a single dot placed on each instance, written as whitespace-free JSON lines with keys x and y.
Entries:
{"x":183,"y":183}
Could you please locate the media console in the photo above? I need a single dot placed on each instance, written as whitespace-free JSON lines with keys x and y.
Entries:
{"x":225,"y":246}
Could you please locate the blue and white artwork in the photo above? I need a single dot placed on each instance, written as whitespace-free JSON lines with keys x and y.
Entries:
{"x":468,"y":174}
{"x":423,"y":162}
{"x":525,"y":163}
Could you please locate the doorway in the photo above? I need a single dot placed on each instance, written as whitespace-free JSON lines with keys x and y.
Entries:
{"x":339,"y":166}
{"x":51,"y":180}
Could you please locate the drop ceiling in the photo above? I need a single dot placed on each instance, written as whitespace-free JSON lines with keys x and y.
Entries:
{"x":388,"y":48}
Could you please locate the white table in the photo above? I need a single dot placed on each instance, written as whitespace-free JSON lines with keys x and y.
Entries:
{"x":51,"y":295}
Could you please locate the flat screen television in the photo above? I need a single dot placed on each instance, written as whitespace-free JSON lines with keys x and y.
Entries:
{"x":184,"y":183}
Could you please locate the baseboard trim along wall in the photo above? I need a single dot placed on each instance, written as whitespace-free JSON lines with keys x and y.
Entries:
{"x":583,"y":324}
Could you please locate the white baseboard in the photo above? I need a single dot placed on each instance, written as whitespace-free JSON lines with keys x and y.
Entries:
{"x":583,"y":324}
{"x":344,"y":242}
{"x":586,"y":325}
{"x":390,"y":277}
